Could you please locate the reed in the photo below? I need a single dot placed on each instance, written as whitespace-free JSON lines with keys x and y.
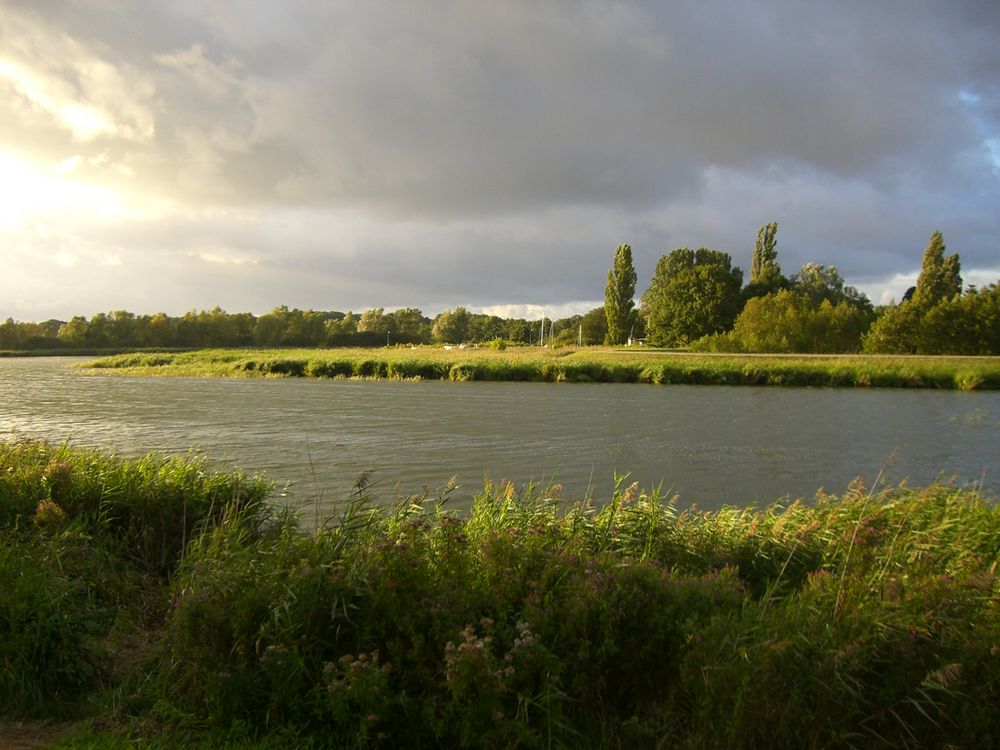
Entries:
{"x":571,"y":365}
{"x":527,"y":622}
{"x":866,"y":619}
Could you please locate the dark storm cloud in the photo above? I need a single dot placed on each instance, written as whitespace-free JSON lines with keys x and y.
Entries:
{"x":467,"y":153}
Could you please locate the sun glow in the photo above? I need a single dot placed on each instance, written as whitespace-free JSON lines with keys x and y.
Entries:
{"x":29,"y":195}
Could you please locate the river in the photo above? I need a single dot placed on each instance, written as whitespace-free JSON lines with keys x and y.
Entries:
{"x":713,"y":445}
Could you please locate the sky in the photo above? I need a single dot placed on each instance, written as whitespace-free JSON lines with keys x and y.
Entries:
{"x":335,"y":155}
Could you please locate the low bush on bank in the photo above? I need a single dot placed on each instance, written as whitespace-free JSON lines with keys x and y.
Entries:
{"x":868,"y":619}
{"x":587,"y":365}
{"x":87,"y":541}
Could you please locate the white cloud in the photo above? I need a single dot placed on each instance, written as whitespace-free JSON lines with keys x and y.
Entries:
{"x":65,"y":259}
{"x":82,"y":93}
{"x":69,"y":164}
{"x":536,"y":312}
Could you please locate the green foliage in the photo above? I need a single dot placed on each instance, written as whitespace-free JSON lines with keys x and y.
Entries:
{"x":149,"y":506}
{"x":968,"y":324}
{"x":46,"y":619}
{"x":938,"y":319}
{"x":451,"y":326}
{"x":793,"y":322}
{"x":765,"y":269}
{"x":939,"y":278}
{"x":528,"y":622}
{"x":87,"y":540}
{"x":765,"y":273}
{"x":619,"y":297}
{"x":824,"y":283}
{"x":692,"y":294}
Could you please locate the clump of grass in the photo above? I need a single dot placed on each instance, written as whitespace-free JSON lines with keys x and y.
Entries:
{"x":87,"y":542}
{"x":46,"y":617}
{"x":150,"y":505}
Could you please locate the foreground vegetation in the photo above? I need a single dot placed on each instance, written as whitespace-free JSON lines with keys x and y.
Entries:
{"x":569,"y":364}
{"x":163,"y":600}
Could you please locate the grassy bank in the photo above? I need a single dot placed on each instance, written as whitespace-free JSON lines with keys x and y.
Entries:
{"x":570,"y":365}
{"x":159,"y":600}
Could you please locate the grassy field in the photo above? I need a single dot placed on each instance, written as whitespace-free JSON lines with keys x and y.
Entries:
{"x":570,"y":365}
{"x":158,"y":603}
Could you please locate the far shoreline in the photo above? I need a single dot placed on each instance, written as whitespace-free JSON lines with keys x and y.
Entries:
{"x":568,"y":364}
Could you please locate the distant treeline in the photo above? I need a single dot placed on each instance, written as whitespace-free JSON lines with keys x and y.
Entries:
{"x":696,"y":299}
{"x":283,"y":327}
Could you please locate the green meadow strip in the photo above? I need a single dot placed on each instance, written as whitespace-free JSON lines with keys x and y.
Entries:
{"x":588,"y":365}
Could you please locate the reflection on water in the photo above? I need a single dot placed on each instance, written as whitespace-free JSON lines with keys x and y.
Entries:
{"x":713,"y":445}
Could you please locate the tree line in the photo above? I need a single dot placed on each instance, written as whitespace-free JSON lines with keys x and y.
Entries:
{"x":697,"y":299}
{"x":286,"y":327}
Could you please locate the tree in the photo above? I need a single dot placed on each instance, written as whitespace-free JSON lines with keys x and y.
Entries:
{"x":692,"y":294}
{"x":75,"y":332}
{"x":819,"y":282}
{"x":793,"y":322}
{"x":121,"y":327}
{"x":519,"y":330}
{"x":765,"y":273}
{"x":914,"y":326}
{"x":619,"y":297}
{"x":961,"y":324}
{"x":451,"y":326}
{"x":939,"y":277}
{"x":270,"y":328}
{"x":408,"y":325}
{"x":374,"y":321}
{"x":485,"y":328}
{"x":595,"y":326}
{"x":157,"y":331}
{"x":765,"y":258}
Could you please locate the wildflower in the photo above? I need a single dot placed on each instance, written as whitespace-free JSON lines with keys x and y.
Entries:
{"x":58,"y":476}
{"x":48,"y":514}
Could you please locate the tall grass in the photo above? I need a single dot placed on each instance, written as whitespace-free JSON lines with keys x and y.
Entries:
{"x":148,"y":505}
{"x":87,"y":540}
{"x":865,"y":620}
{"x":572,"y":365}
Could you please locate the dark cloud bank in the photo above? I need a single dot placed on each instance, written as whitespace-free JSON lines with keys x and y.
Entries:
{"x":356,"y":154}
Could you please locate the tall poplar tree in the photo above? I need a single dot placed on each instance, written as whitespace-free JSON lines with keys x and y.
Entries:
{"x":914,"y":325}
{"x":765,"y":273}
{"x":939,"y":278}
{"x":765,"y":269}
{"x":619,"y":294}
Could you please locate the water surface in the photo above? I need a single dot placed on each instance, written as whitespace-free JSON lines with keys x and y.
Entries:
{"x":713,"y":445}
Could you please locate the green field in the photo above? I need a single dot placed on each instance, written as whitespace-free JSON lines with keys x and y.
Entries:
{"x":569,"y":364}
{"x":160,"y":604}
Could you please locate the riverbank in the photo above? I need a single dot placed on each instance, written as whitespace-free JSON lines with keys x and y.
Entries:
{"x":150,"y":598}
{"x":570,"y":365}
